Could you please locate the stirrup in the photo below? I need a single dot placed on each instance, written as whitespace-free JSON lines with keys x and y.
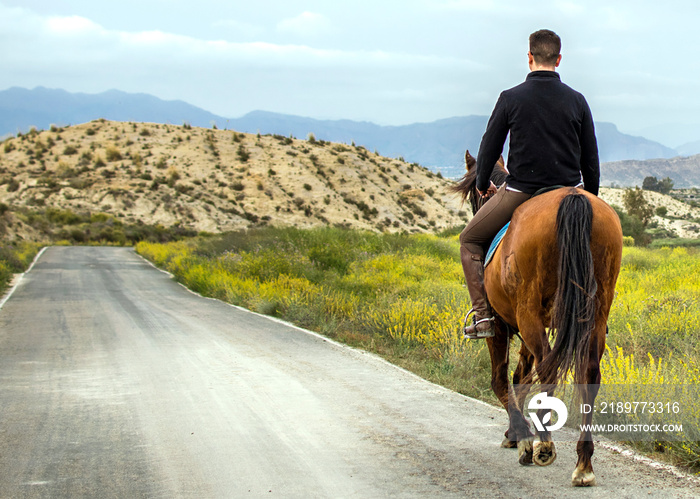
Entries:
{"x":478,"y":335}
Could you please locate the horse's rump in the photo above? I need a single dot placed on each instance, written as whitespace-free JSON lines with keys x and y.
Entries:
{"x":525,"y":286}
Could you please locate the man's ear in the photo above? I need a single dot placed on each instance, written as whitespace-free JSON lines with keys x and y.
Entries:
{"x":558,"y":61}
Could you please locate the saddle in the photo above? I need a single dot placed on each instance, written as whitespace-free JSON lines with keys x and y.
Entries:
{"x":494,"y":244}
{"x":499,"y":237}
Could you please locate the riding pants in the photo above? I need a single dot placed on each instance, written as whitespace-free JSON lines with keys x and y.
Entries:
{"x":474,"y":239}
{"x":491,"y":218}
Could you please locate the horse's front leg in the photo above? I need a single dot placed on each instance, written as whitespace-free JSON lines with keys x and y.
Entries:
{"x":544,"y":451}
{"x":518,"y":393}
{"x":499,"y":347}
{"x":540,"y":449}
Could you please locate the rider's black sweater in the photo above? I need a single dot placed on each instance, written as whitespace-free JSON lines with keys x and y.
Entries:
{"x":552,"y":137}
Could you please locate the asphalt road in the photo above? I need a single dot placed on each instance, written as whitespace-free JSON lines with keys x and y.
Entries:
{"x":117,"y":382}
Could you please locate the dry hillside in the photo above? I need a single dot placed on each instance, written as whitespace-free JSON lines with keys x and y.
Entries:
{"x":681,"y":218}
{"x":218,"y":180}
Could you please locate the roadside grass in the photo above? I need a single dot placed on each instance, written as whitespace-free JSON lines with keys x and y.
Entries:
{"x":14,"y":259}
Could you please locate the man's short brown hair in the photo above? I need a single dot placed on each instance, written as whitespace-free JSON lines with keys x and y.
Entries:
{"x":545,"y":46}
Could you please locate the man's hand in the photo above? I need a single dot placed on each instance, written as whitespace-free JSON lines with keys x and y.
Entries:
{"x":489,"y":192}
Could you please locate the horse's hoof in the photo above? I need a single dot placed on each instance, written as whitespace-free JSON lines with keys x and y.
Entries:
{"x":543,"y":453}
{"x":525,"y":451}
{"x":509,"y":444}
{"x":582,"y":478}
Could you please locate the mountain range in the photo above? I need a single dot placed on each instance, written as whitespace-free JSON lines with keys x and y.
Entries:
{"x":438,"y":145}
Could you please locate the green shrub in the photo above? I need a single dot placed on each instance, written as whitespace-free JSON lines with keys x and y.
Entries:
{"x":242,"y":154}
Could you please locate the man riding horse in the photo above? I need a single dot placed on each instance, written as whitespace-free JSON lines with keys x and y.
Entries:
{"x":552,"y":143}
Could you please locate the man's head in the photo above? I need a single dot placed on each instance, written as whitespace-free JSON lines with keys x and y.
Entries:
{"x":545,"y":46}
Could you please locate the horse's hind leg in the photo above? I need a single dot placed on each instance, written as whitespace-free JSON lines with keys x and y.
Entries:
{"x":583,"y":475}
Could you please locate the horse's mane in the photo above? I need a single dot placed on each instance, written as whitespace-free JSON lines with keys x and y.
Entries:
{"x":466,"y":186}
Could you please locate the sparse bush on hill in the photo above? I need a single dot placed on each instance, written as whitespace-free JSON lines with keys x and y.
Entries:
{"x":85,"y":158}
{"x":79,"y":183}
{"x":210,"y":142}
{"x":137,"y":160}
{"x":65,"y":171}
{"x":243,"y":154}
{"x":113,"y":154}
{"x":99,"y":162}
{"x":12,"y":185}
{"x":162,"y":163}
{"x":173,"y":177}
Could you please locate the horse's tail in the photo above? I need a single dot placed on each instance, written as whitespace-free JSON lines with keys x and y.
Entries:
{"x":573,"y":315}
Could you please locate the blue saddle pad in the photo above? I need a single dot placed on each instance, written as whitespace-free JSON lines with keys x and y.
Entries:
{"x":494,"y":244}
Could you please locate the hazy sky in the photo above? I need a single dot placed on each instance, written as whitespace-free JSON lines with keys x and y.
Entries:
{"x":389,"y":62}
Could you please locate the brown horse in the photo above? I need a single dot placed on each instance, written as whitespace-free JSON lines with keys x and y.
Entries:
{"x":555,"y":269}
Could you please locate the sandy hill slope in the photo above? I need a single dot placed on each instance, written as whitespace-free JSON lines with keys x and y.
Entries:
{"x":218,"y":180}
{"x":681,"y":218}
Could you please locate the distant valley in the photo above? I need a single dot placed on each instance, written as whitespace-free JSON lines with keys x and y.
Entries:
{"x":438,"y":145}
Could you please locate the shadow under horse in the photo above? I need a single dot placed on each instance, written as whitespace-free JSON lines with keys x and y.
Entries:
{"x":554,"y":273}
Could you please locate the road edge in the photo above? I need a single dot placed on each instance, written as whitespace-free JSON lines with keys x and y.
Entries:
{"x":18,"y":278}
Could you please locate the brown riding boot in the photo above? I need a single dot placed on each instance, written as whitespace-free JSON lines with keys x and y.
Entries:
{"x":482,"y":326}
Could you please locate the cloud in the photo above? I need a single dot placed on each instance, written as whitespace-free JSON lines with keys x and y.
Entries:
{"x":228,"y":78}
{"x":306,"y":24}
{"x":71,"y":26}
{"x":239,"y":28}
{"x":46,"y":38}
